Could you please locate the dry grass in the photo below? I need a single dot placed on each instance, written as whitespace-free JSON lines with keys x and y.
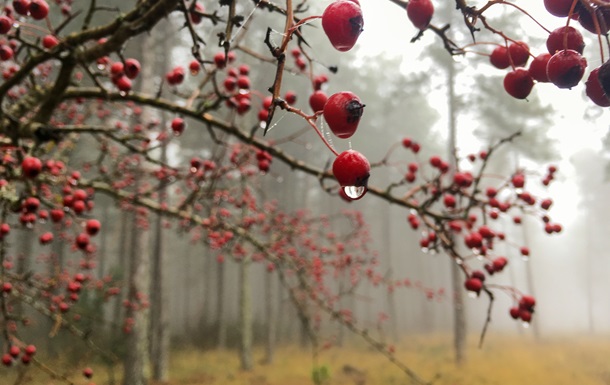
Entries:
{"x":503,"y":360}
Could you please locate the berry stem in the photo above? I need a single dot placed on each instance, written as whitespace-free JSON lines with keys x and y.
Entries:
{"x":490,"y":3}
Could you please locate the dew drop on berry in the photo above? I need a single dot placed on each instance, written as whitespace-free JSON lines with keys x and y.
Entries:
{"x":354,"y":192}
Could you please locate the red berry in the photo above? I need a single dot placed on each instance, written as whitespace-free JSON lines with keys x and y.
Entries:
{"x":499,"y":57}
{"x":49,"y":41}
{"x":123,"y":83}
{"x":290,"y":97}
{"x":352,"y":171}
{"x":519,"y":53}
{"x":194,"y":13}
{"x":6,"y":52}
{"x":585,"y":18}
{"x":194,"y":67}
{"x":220,"y":60}
{"x":518,"y":83}
{"x":88,"y":372}
{"x":243,"y":82}
{"x":22,"y":7}
{"x":7,"y":360}
{"x":603,"y":75}
{"x":132,"y":68}
{"x":82,"y":241}
{"x":420,"y":13}
{"x":30,"y":350}
{"x":46,"y":238}
{"x":473,"y":284}
{"x":537,"y":67}
{"x":178,"y":125}
{"x":342,"y":111}
{"x":342,"y":22}
{"x":93,"y":226}
{"x":14,"y":351}
{"x":317,"y":100}
{"x":566,"y":68}
{"x":559,"y":8}
{"x":31,"y":167}
{"x":39,"y":9}
{"x":5,"y":24}
{"x":570,"y":35}
{"x":514,"y":312}
{"x":594,"y":90}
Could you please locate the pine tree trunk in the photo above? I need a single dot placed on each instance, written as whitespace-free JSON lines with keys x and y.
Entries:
{"x":220,"y":306}
{"x":270,"y":320}
{"x":245,"y":314}
{"x":135,"y":363}
{"x":459,"y":317}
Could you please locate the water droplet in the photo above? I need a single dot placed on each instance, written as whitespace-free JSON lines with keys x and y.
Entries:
{"x":101,"y":67}
{"x":123,"y":93}
{"x":354,"y":192}
{"x":459,"y":261}
{"x":29,"y":225}
{"x":525,"y":258}
{"x":525,"y":325}
{"x":472,"y":294}
{"x":424,"y":249}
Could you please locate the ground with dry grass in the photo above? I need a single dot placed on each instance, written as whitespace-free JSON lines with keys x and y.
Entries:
{"x":503,"y":360}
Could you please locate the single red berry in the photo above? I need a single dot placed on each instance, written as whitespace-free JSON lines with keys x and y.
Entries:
{"x":519,"y":53}
{"x":30,"y":350}
{"x":559,"y":8}
{"x":499,"y":57}
{"x":586,"y":19}
{"x":342,"y":22}
{"x":317,"y":100}
{"x":31,"y":167}
{"x":518,"y":83}
{"x":473,"y":284}
{"x":7,"y":359}
{"x":194,"y":67}
{"x":594,"y":90}
{"x":518,"y":180}
{"x":220,"y":60}
{"x":566,"y":68}
{"x":6,"y":52}
{"x":194,"y":13}
{"x":132,"y":68}
{"x":449,"y":201}
{"x":569,"y":35}
{"x":39,"y":9}
{"x":88,"y":372}
{"x":22,"y":7}
{"x":342,"y":111}
{"x":49,"y":41}
{"x":14,"y":351}
{"x":116,"y":69}
{"x":290,"y":97}
{"x":123,"y":83}
{"x":514,"y":312}
{"x":527,"y":302}
{"x":603,"y":75}
{"x":5,"y":24}
{"x":420,"y":13}
{"x":537,"y":67}
{"x":178,"y":125}
{"x":93,"y":226}
{"x":243,"y":82}
{"x":352,"y":171}
{"x":82,"y":241}
{"x":46,"y":238}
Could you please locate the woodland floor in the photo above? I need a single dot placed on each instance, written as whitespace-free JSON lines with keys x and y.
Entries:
{"x":503,"y":360}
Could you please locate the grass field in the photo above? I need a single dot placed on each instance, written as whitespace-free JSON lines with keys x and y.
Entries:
{"x":503,"y":360}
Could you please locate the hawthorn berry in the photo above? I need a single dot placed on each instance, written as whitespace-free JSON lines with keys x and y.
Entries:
{"x":352,"y":171}
{"x":342,"y":111}
{"x":594,"y":90}
{"x":5,"y":24}
{"x":519,"y":53}
{"x":93,"y":226}
{"x":565,"y":38}
{"x":420,"y":13}
{"x":317,"y":100}
{"x":518,"y":83}
{"x":178,"y":125}
{"x":31,"y":167}
{"x":566,"y":68}
{"x":499,"y":57}
{"x":474,"y":285}
{"x":603,"y":75}
{"x":342,"y":22}
{"x":39,"y":9}
{"x":559,"y":8}
{"x":22,"y":7}
{"x":132,"y":68}
{"x":49,"y":41}
{"x":538,"y":66}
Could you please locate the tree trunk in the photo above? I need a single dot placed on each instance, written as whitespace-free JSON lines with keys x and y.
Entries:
{"x":459,"y":317}
{"x":270,"y":317}
{"x":135,"y":363}
{"x":245,"y":314}
{"x":220,"y":306}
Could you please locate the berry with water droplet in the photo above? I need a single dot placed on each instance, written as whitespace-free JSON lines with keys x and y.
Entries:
{"x":571,"y":36}
{"x":342,"y":22}
{"x":594,"y":90}
{"x":342,"y":111}
{"x":39,"y":9}
{"x":352,"y":171}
